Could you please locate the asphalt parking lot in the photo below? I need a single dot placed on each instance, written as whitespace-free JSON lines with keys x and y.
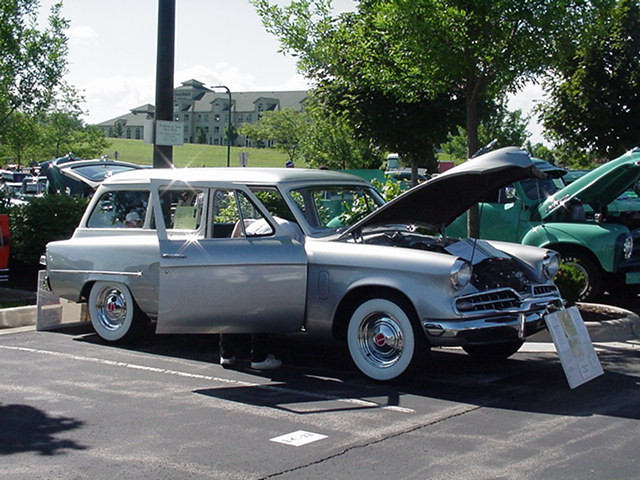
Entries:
{"x":74,"y":407}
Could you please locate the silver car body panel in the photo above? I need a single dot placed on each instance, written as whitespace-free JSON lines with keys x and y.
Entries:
{"x":191,"y":283}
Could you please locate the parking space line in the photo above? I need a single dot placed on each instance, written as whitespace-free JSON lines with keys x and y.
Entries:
{"x":210,"y":378}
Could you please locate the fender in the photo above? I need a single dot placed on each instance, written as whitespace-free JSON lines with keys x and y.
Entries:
{"x":599,"y":239}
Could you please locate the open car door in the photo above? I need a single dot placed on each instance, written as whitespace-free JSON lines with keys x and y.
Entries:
{"x":215,"y":277}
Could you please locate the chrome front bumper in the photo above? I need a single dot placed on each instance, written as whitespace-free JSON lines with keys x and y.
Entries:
{"x":496,"y":329}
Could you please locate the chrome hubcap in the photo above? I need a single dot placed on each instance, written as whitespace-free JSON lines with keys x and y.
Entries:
{"x":112,"y":308}
{"x":380,"y":340}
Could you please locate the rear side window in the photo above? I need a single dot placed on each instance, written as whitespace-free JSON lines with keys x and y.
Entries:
{"x":120,"y":209}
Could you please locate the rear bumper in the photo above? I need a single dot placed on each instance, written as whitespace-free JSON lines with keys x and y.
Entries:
{"x":497,"y":329}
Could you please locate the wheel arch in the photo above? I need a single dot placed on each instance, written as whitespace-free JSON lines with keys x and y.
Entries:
{"x":573,"y":248}
{"x":361,"y":293}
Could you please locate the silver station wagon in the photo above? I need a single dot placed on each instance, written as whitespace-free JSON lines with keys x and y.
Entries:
{"x":243,"y":250}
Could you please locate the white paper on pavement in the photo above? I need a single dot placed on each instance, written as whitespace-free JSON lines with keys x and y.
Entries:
{"x":571,"y":338}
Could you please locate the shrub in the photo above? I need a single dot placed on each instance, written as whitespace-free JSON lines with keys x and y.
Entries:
{"x":42,"y":220}
{"x":570,"y":280}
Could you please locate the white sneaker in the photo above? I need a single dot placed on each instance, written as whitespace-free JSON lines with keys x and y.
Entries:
{"x":268,"y":363}
{"x":228,"y":362}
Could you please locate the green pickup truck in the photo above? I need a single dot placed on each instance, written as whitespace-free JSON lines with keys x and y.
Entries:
{"x":571,"y":219}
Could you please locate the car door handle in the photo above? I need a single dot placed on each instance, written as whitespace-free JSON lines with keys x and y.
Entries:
{"x":173,"y":255}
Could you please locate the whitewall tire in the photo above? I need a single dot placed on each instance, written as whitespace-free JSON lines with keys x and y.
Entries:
{"x":383,"y":341}
{"x":113,"y":312}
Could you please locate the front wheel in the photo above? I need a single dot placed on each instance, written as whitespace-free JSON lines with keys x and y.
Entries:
{"x":114,"y":314}
{"x":493,"y":351}
{"x":592,"y":287}
{"x":384,"y":341}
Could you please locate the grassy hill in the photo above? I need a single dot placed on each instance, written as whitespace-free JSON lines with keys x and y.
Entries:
{"x":193,"y":155}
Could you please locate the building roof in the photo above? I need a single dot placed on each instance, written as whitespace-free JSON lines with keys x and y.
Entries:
{"x":245,"y":101}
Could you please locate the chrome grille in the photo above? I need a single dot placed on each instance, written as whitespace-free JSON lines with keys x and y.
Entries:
{"x":495,"y":300}
{"x":541,"y":290}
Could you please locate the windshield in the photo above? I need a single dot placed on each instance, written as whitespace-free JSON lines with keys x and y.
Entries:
{"x":538,"y":190}
{"x":332,"y":207}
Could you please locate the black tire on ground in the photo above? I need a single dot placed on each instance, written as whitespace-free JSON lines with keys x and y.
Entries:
{"x":114,"y":314}
{"x":493,"y":351}
{"x":385,"y":341}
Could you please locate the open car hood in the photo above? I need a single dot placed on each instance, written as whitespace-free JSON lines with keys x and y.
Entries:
{"x":439,"y":201}
{"x":599,"y":187}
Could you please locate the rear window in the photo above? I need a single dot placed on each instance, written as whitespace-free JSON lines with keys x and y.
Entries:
{"x":120,"y":209}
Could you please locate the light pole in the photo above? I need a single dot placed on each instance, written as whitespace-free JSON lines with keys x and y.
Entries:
{"x":228,"y":124}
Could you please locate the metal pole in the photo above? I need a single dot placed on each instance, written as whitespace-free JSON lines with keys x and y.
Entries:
{"x":228,"y":124}
{"x":163,"y":154}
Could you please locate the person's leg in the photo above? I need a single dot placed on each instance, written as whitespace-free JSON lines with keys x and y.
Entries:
{"x":228,"y":348}
{"x":259,"y":347}
{"x":261,"y":359}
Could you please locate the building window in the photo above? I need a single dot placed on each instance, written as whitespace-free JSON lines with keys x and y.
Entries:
{"x":128,"y":133}
{"x":206,"y":117}
{"x":186,"y":117}
{"x":249,"y":118}
{"x":216,"y":130}
{"x":138,"y":136}
{"x":217,"y":118}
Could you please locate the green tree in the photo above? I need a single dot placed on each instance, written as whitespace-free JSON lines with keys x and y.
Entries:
{"x":118,"y":128}
{"x":285,"y":128}
{"x":201,"y":136}
{"x":32,"y":61}
{"x":19,"y":138}
{"x":594,"y":102}
{"x":329,"y":141}
{"x":504,"y":126}
{"x":471,"y":51}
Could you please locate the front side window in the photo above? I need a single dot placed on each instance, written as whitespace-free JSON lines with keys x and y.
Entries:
{"x":182,"y":209}
{"x":235,"y":215}
{"x":120,"y":209}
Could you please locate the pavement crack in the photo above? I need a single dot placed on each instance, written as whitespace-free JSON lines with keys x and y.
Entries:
{"x":374,"y":442}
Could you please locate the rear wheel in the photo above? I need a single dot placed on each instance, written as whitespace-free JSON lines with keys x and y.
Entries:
{"x":114,"y":314}
{"x":493,"y":351}
{"x":384,"y":340}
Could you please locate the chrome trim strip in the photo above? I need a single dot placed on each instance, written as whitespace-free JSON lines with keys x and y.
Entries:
{"x":98,"y":272}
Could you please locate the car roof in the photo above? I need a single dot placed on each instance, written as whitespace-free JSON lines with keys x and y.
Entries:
{"x":233,"y":175}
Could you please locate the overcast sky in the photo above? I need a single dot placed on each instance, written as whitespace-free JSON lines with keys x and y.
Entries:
{"x":112,"y":51}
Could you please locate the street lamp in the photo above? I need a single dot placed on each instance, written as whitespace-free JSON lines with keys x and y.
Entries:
{"x":228,"y":124}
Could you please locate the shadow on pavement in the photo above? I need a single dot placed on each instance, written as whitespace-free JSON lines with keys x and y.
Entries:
{"x":27,"y":429}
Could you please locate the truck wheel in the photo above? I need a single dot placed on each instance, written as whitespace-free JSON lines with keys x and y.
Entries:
{"x":384,"y":340}
{"x":593,"y":286}
{"x":493,"y":351}
{"x":114,"y":314}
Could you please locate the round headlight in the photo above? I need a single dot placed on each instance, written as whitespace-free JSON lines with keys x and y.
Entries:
{"x":460,"y":274}
{"x":550,"y":265}
{"x":628,"y":247}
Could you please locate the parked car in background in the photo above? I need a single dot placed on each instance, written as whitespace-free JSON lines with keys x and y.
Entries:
{"x":4,"y":247}
{"x":625,"y":208}
{"x":572,"y":219}
{"x":381,"y":277}
{"x":79,"y":177}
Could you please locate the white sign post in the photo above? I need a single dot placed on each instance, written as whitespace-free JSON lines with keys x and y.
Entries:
{"x":571,"y":338}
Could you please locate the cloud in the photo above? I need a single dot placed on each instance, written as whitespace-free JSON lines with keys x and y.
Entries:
{"x":108,"y":97}
{"x":81,"y":32}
